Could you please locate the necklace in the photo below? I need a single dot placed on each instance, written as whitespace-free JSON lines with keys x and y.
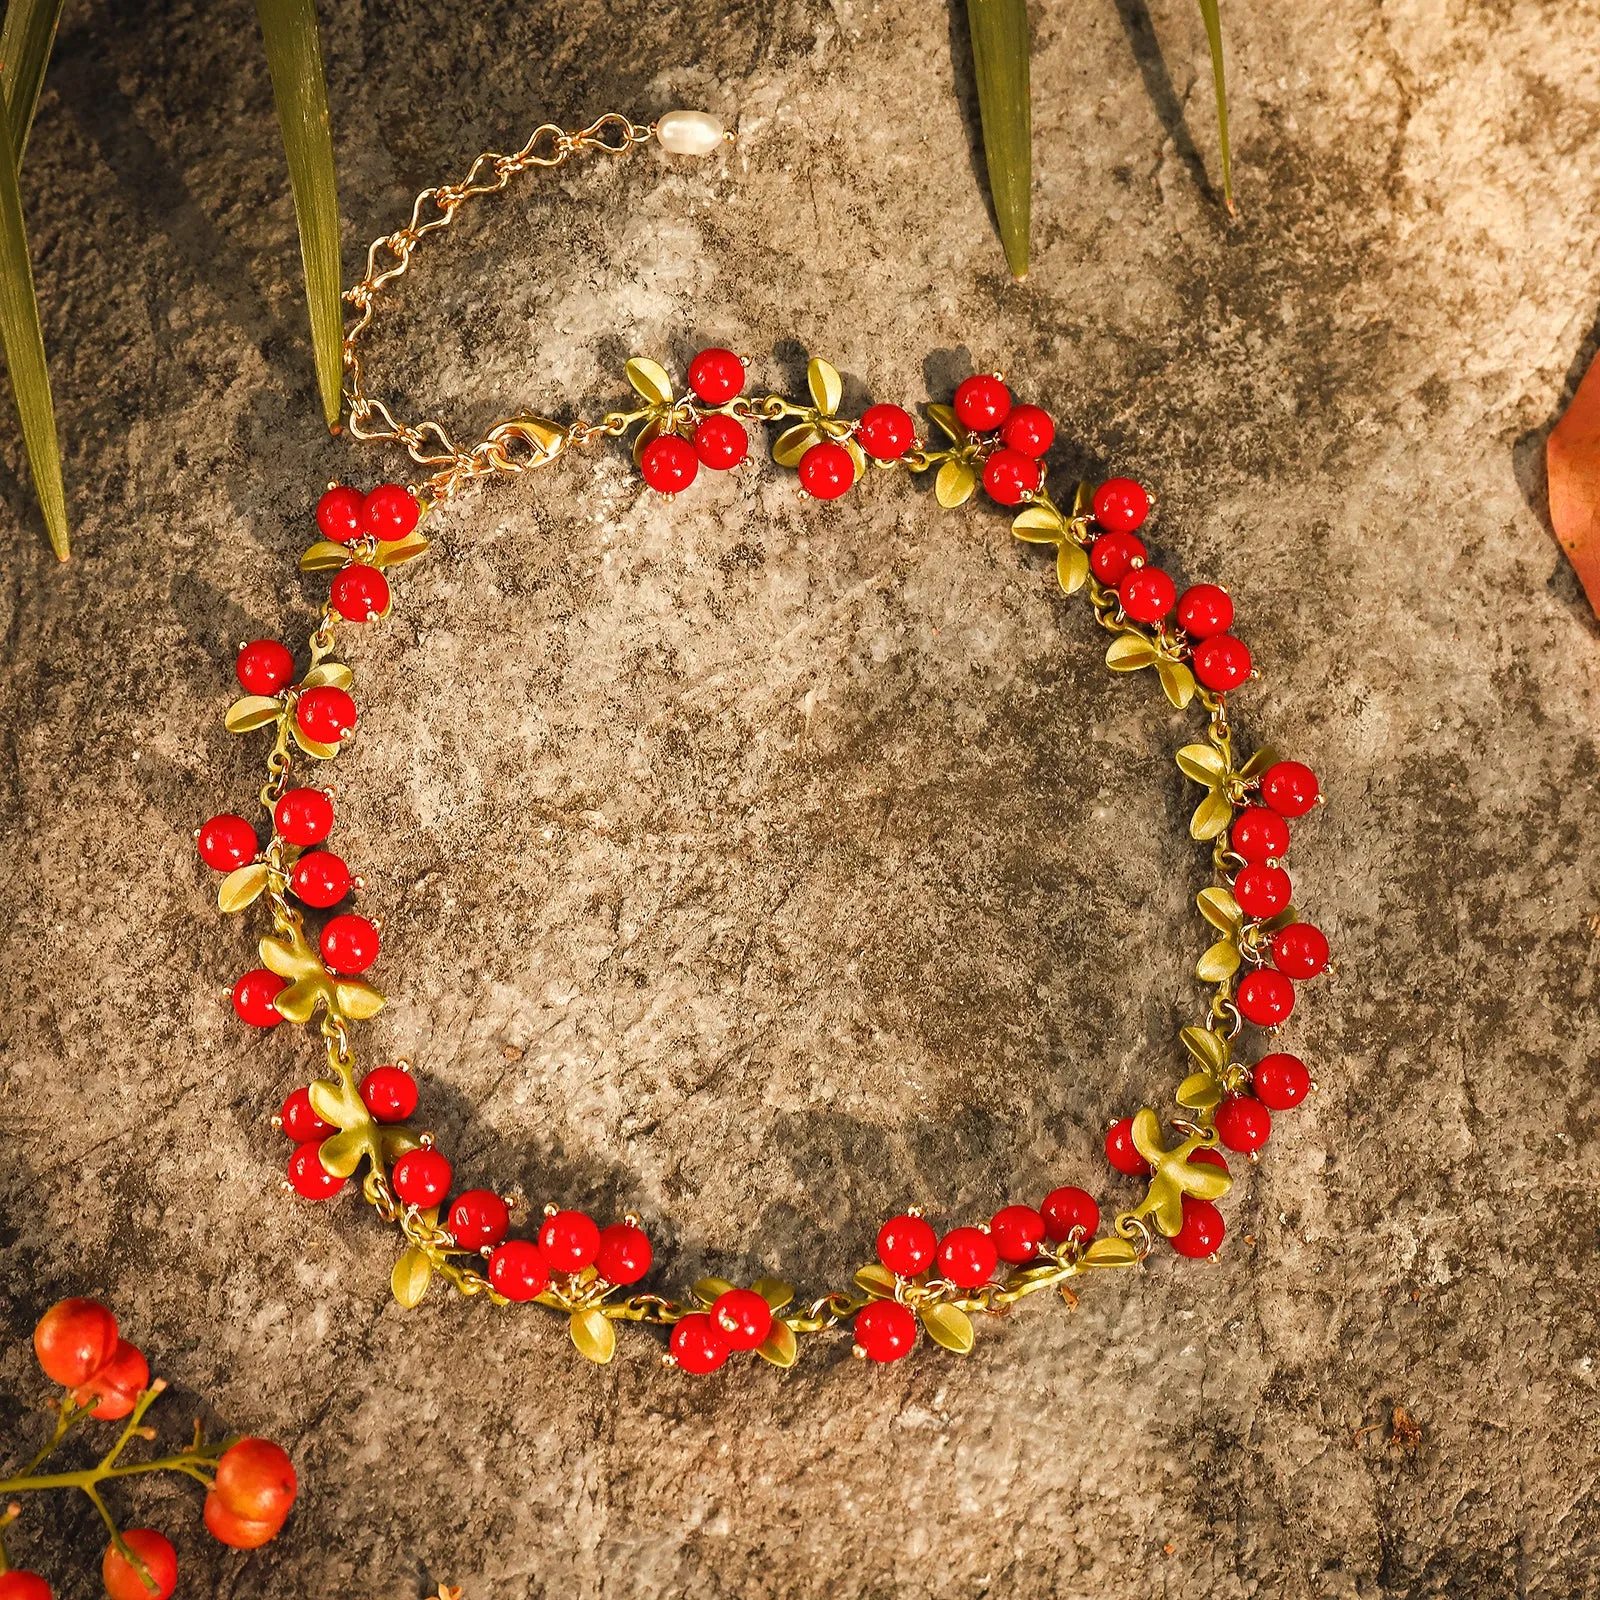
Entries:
{"x":922,"y":1280}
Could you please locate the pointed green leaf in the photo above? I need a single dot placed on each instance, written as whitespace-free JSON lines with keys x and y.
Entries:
{"x":328,"y":1102}
{"x":709,"y":1289}
{"x":793,"y":443}
{"x":594,"y":1335}
{"x":875,"y":1280}
{"x":25,"y":44}
{"x":1220,"y":909}
{"x":357,"y":1000}
{"x":241,"y":886}
{"x":1199,"y":1092}
{"x":650,"y":381}
{"x":324,"y":556}
{"x":779,"y":1346}
{"x":1176,"y":680}
{"x":1039,"y":525}
{"x":341,"y":1153}
{"x":409,"y":1280}
{"x":1203,"y":763}
{"x":1213,"y":22}
{"x":1211,"y":817}
{"x":1000,"y":64}
{"x":827,"y":389}
{"x":774,"y":1291}
{"x":1130,"y":652}
{"x":1208,"y":1048}
{"x":949,"y":1326}
{"x":330,"y":675}
{"x":954,"y":484}
{"x":1072,"y":567}
{"x":1110,"y":1253}
{"x":1219,"y":963}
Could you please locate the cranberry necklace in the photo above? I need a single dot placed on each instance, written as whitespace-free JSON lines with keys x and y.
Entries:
{"x":921,"y":1279}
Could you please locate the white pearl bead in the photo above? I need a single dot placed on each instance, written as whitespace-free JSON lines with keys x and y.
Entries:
{"x":689,"y":133}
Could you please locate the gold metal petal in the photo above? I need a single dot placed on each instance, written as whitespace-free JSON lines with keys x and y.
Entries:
{"x":1219,"y":963}
{"x":278,"y":955}
{"x":1083,"y":498}
{"x":946,"y":418}
{"x":1208,"y":1183}
{"x":1039,"y":525}
{"x":1164,"y":1203}
{"x":299,"y":1000}
{"x":394,"y":1142}
{"x":793,"y":443}
{"x":1202,"y":762}
{"x":341,"y":1153}
{"x":1072,"y":566}
{"x":254,"y":711}
{"x":594,"y":1335}
{"x":954,"y":485}
{"x":780,"y":1346}
{"x":329,"y":675}
{"x":1211,"y":817}
{"x":1282,"y":920}
{"x":1208,"y":1048}
{"x":708,"y":1289}
{"x":649,"y":378}
{"x":1147,"y":1136}
{"x":651,"y":430}
{"x":875,"y":1280}
{"x":412,"y":1272}
{"x":324,"y":556}
{"x":312,"y":747}
{"x":857,"y":455}
{"x":357,"y":1000}
{"x":327,"y":1100}
{"x":826,"y":387}
{"x":241,"y":886}
{"x":1111,"y":1253}
{"x":1259,"y":762}
{"x":949,"y":1326}
{"x":1220,"y":909}
{"x":774,"y":1291}
{"x":397,"y":551}
{"x":1199,"y":1092}
{"x":1130,"y":652}
{"x":1177,"y":680}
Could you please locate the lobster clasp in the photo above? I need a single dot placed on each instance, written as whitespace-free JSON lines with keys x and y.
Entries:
{"x":522,"y":443}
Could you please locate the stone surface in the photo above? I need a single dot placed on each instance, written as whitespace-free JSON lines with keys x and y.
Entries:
{"x":766,"y":866}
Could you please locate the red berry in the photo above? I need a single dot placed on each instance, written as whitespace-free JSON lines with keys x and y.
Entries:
{"x":967,"y":1257}
{"x":390,"y":1093}
{"x":716,"y":376}
{"x":303,"y":816}
{"x":227,"y":842}
{"x":339,"y":514}
{"x":1068,"y":1208}
{"x":886,"y":432}
{"x":264,"y":666}
{"x":253,"y":995}
{"x":1120,"y":505}
{"x":827,"y":470}
{"x":1262,"y":891}
{"x":74,"y":1339}
{"x":1300,"y":950}
{"x":1204,"y":611}
{"x":721,"y":442}
{"x":1290,"y":788}
{"x":389,"y":513}
{"x":360,"y":594}
{"x":238,"y":1533}
{"x":1243,"y":1123}
{"x":1112,"y":555}
{"x":907,"y":1245}
{"x":982,"y":403}
{"x":624,"y":1254}
{"x":20,"y":1584}
{"x":518,"y":1271}
{"x":1260,"y":835}
{"x":1281,"y":1081}
{"x":309,"y":1178}
{"x":1207,"y":1157}
{"x":320,"y":879}
{"x":1017,"y":1231}
{"x":422,"y":1178}
{"x":1147,"y":594}
{"x":669,"y":463}
{"x":326,"y":714}
{"x":478,"y":1217}
{"x":1008,"y":475}
{"x":1265,"y":998}
{"x":698,"y":1344}
{"x":1028,"y":429}
{"x":121,"y":1578}
{"x":742,"y":1317}
{"x":256,"y":1480}
{"x":1202,"y":1230}
{"x":885,"y":1330}
{"x":349,"y":944}
{"x":569,"y":1240}
{"x":299,"y":1122}
{"x":1222,"y":663}
{"x":1121,"y":1151}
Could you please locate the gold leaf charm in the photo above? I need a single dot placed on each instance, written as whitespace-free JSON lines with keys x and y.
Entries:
{"x":946,"y":418}
{"x":954,"y":485}
{"x":1072,"y":567}
{"x":1130,"y":652}
{"x":1220,"y":909}
{"x":876,"y":1281}
{"x":254,"y":711}
{"x":1175,"y":1175}
{"x":650,"y":380}
{"x":1198,"y":1092}
{"x":779,"y":1347}
{"x":1208,"y":1048}
{"x":1211,"y":817}
{"x":328,"y":1101}
{"x":775,"y":1292}
{"x":1176,"y":680}
{"x":357,"y":999}
{"x":793,"y":443}
{"x":710,"y":1289}
{"x":394,"y":1142}
{"x":241,"y":886}
{"x":594,"y":1336}
{"x":827,"y":389}
{"x":1110,"y":1253}
{"x":1039,"y":524}
{"x":325,"y":556}
{"x":312,"y":747}
{"x":329,"y":675}
{"x":411,"y":1275}
{"x":949,"y":1326}
{"x":651,"y":430}
{"x":341,"y":1153}
{"x":1219,"y":963}
{"x":396,"y":551}
{"x":1204,"y":763}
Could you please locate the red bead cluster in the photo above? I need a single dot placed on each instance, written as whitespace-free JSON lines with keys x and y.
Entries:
{"x":569,"y":1243}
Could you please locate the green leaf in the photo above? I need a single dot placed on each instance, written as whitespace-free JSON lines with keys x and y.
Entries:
{"x":294,"y":58}
{"x":23,"y":340}
{"x":1000,"y":64}
{"x":408,"y":1282}
{"x":1213,"y":22}
{"x":25,"y":44}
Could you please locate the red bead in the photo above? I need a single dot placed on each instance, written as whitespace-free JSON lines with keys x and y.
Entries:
{"x":1300,"y":950}
{"x":422,"y":1178}
{"x":360,"y":594}
{"x":478,"y":1217}
{"x":308,"y":1177}
{"x":326,"y":714}
{"x":339,"y":514}
{"x":389,"y":1093}
{"x":716,"y":376}
{"x":886,"y":432}
{"x":349,"y":944}
{"x":264,"y":666}
{"x":1260,"y":835}
{"x":1262,"y":891}
{"x":1206,"y":1157}
{"x":1202,"y":1230}
{"x":1120,"y":505}
{"x":1112,"y":555}
{"x":518,"y":1271}
{"x":320,"y":879}
{"x":885,"y":1330}
{"x":389,"y":513}
{"x":569,"y":1240}
{"x":1281,"y":1081}
{"x":742,"y":1317}
{"x":1290,"y":788}
{"x":122,"y":1579}
{"x":1121,"y":1151}
{"x":1147,"y":594}
{"x":1204,"y":611}
{"x":967,"y":1257}
{"x":827,"y":470}
{"x":299,"y":1122}
{"x":1265,"y":998}
{"x":1017,"y":1232}
{"x":907,"y":1245}
{"x":698,"y":1345}
{"x":982,"y":403}
{"x":1222,"y":663}
{"x":303,"y":816}
{"x":1068,"y":1208}
{"x":253,"y":995}
{"x":20,"y":1584}
{"x":669,"y":463}
{"x":721,"y":442}
{"x":227,"y":842}
{"x":1028,"y":429}
{"x":624,"y":1254}
{"x":1008,"y":475}
{"x":1243,"y":1123}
